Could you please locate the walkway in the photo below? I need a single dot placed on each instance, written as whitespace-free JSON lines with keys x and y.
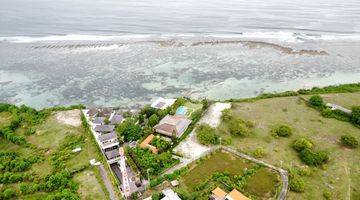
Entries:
{"x":107,"y":182}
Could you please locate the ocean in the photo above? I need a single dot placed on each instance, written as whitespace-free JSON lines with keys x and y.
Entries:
{"x":127,"y":52}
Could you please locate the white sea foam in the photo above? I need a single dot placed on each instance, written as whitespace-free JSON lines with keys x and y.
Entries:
{"x":281,"y":36}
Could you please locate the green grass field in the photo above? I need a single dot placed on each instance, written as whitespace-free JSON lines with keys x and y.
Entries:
{"x":262,"y":185}
{"x":341,"y":175}
{"x":48,"y":136}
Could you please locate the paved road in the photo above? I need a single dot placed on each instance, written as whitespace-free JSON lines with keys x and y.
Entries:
{"x":283,"y":173}
{"x":107,"y":182}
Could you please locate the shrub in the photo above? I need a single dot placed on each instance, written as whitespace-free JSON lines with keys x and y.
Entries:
{"x":327,"y":195}
{"x":259,"y":152}
{"x":206,"y":135}
{"x":297,"y":184}
{"x":327,"y":112}
{"x":355,"y":115}
{"x":349,"y":141}
{"x":282,"y":131}
{"x":316,"y":100}
{"x":301,"y":144}
{"x":237,"y":127}
{"x":314,"y":158}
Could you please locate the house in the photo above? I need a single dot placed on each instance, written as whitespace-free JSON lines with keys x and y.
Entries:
{"x":162,"y":103}
{"x":146,"y":144}
{"x":169,"y":194}
{"x":219,"y":194}
{"x":105,"y":112}
{"x":92,"y":112}
{"x":104,"y":128}
{"x":116,"y":119}
{"x":112,"y":155}
{"x":236,"y":195}
{"x":173,"y":124}
{"x":99,"y":120}
{"x":108,"y":140}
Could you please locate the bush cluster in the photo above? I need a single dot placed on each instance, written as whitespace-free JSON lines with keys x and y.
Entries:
{"x":206,"y":135}
{"x":307,"y":155}
{"x":349,"y":141}
{"x":282,"y":131}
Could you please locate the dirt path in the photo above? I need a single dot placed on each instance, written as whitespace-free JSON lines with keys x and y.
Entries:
{"x":107,"y":182}
{"x":283,"y":173}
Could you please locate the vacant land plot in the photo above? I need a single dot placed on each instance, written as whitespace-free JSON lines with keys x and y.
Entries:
{"x":342,"y":173}
{"x":47,"y":138}
{"x":263,"y":184}
{"x":89,"y":188}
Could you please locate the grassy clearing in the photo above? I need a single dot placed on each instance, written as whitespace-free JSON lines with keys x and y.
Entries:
{"x":49,"y":134}
{"x":262,"y":185}
{"x":340,"y":176}
{"x":90,"y":187}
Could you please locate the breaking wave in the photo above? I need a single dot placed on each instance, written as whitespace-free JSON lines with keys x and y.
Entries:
{"x":281,"y":36}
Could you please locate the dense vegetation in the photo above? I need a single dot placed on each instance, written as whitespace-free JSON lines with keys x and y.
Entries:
{"x":308,"y":155}
{"x":206,"y":135}
{"x":146,"y":161}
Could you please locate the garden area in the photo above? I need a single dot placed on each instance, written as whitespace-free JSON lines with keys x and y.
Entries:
{"x":320,"y":153}
{"x":36,"y":158}
{"x":227,"y":171}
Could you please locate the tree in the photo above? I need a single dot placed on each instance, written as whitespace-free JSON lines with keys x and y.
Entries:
{"x":349,"y":141}
{"x":153,"y":120}
{"x":282,"y":131}
{"x":312,"y":158}
{"x":206,"y":135}
{"x":205,"y":104}
{"x":238,"y":128}
{"x":355,"y":115}
{"x":316,"y":100}
{"x":129,"y":130}
{"x":296,"y":184}
{"x":301,"y":144}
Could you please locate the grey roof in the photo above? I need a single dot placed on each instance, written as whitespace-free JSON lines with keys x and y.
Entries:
{"x":99,"y":120}
{"x":112,"y":154}
{"x":104,"y":128}
{"x":107,"y":136}
{"x":105,"y":112}
{"x":92,"y":111}
{"x":116,"y":119}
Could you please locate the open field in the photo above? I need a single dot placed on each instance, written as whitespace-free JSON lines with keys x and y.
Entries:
{"x":261,"y":185}
{"x":47,"y":138}
{"x":340,"y":175}
{"x":89,"y":185}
